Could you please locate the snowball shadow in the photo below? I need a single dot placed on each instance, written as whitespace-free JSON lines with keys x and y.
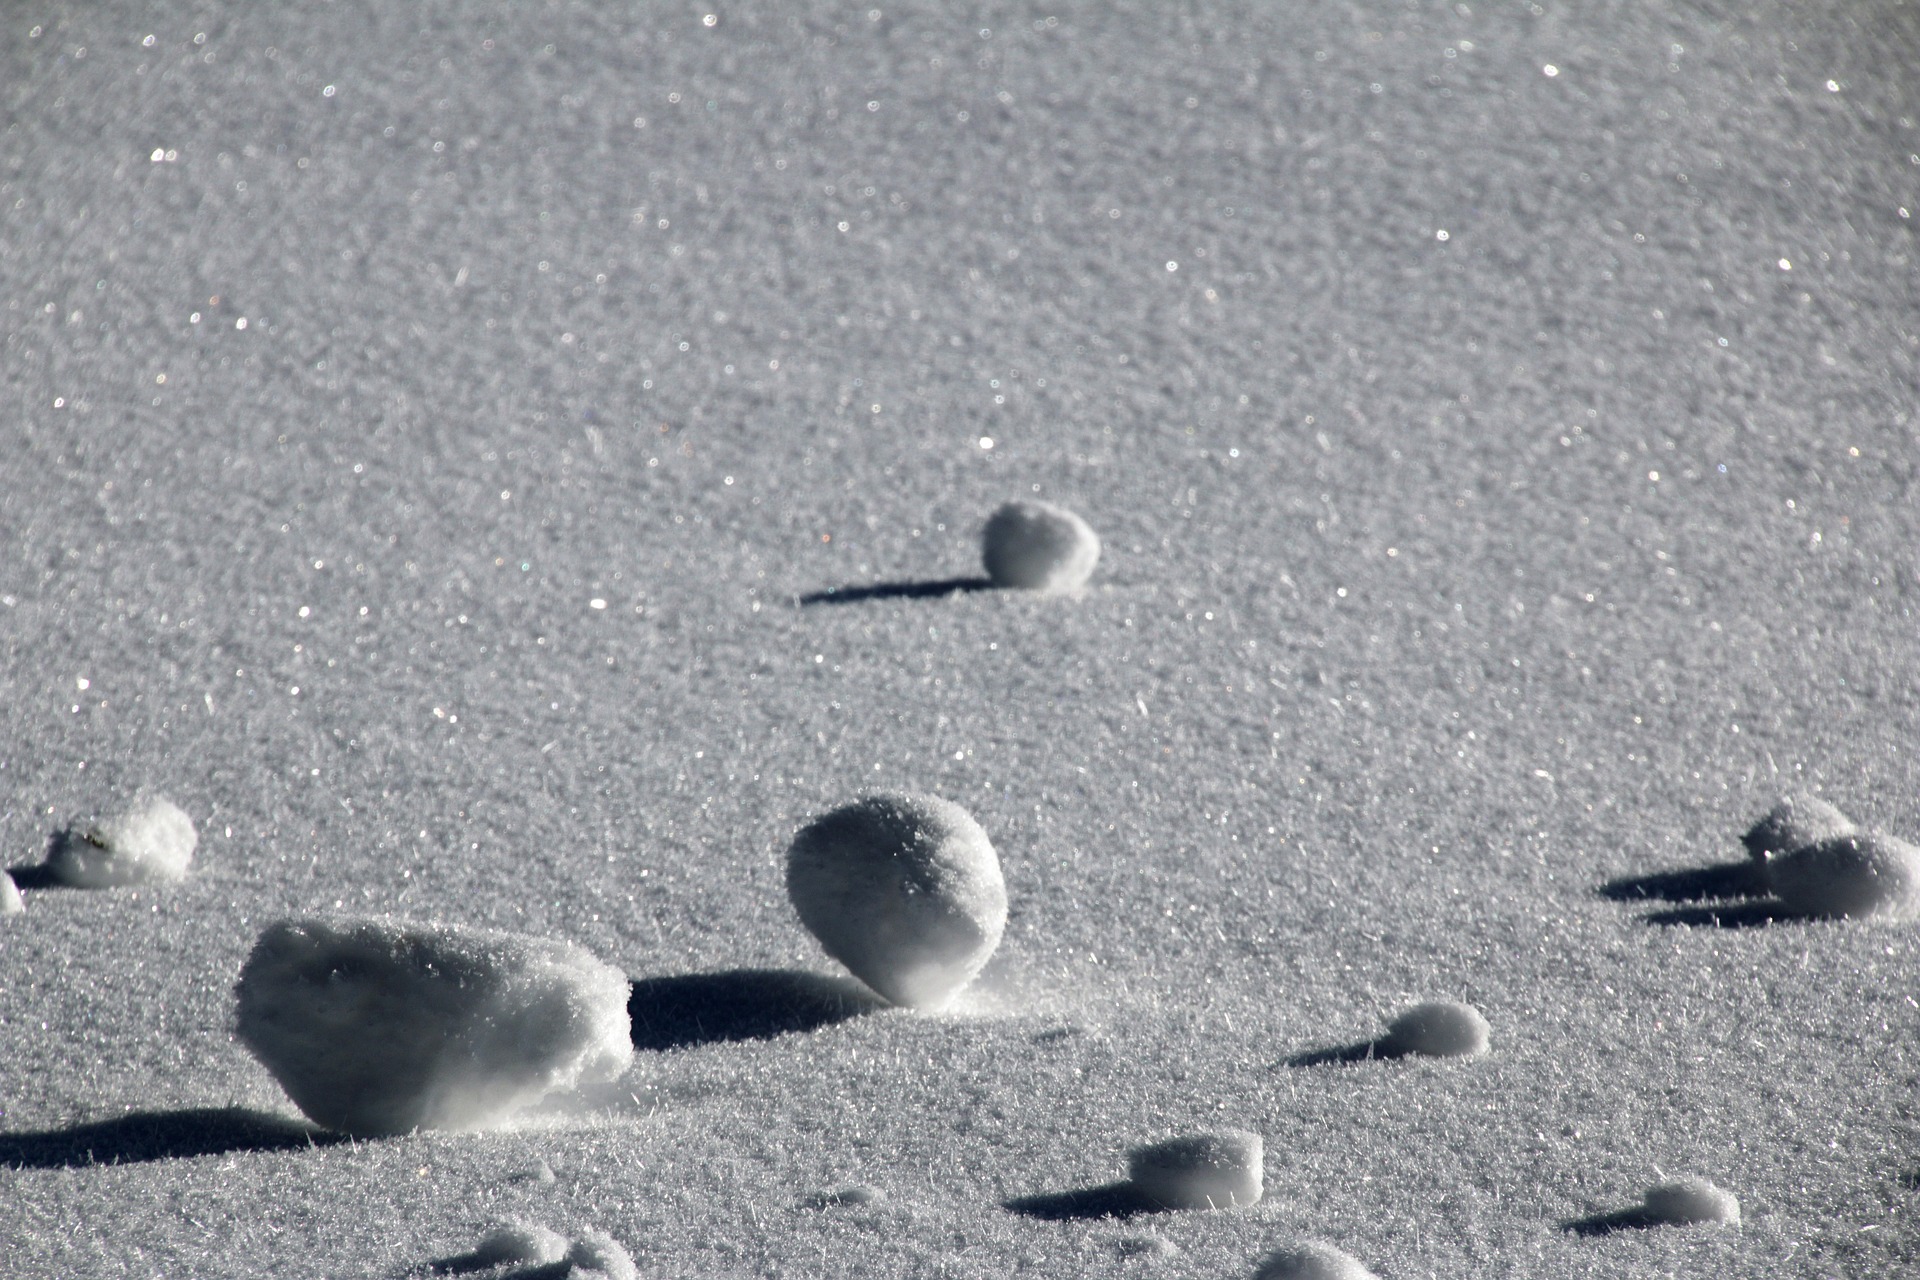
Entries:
{"x":897,"y":591}
{"x":462,"y":1264}
{"x":145,"y":1136}
{"x":1720,"y":882}
{"x":1380,"y":1048}
{"x":690,"y":1009}
{"x":1606,"y":1224}
{"x":1113,"y":1200}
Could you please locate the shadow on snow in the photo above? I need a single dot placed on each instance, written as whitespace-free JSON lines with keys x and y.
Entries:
{"x":690,"y":1009}
{"x":1114,"y":1200}
{"x":897,"y":591}
{"x":159,"y":1135}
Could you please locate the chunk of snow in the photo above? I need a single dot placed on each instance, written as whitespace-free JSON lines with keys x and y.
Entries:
{"x":903,"y":890}
{"x":1039,"y":547}
{"x":11,"y":903}
{"x":1865,"y":874}
{"x":520,"y":1242}
{"x":1200,"y":1171}
{"x":1795,"y":823}
{"x":1690,"y":1199}
{"x":383,"y":1026}
{"x":149,"y":841}
{"x":1438,"y":1029}
{"x":1311,"y":1260}
{"x":599,"y":1254}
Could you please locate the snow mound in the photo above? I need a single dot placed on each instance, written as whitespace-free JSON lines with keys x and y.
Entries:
{"x":1687,"y":1200}
{"x":11,"y":903}
{"x":1438,"y":1029}
{"x":1311,"y":1260}
{"x":1862,"y":875}
{"x":903,"y":890}
{"x":1200,"y":1171}
{"x":1795,"y":823}
{"x":150,"y":841}
{"x":599,"y":1254}
{"x":1039,"y":547}
{"x":382,"y":1026}
{"x":520,"y":1242}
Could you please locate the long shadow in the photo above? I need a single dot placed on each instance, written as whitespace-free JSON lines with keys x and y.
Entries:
{"x":462,"y":1264}
{"x":1605,"y":1224}
{"x":1694,"y":884}
{"x":690,"y":1009}
{"x":1363,"y":1051}
{"x":897,"y":591}
{"x":37,"y":875}
{"x":1741,"y":915}
{"x":1114,"y":1200}
{"x":159,"y":1135}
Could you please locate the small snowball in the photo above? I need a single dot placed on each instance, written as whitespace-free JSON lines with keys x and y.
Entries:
{"x":1794,"y":823}
{"x":1200,"y":1171}
{"x":1311,"y":1260}
{"x":1438,"y":1029}
{"x":1856,"y":875}
{"x":903,"y":890}
{"x":1147,"y":1246}
{"x":1040,"y":547}
{"x":520,"y":1242}
{"x":1688,"y":1200}
{"x":384,"y":1026}
{"x":11,"y":903}
{"x":151,"y":840}
{"x":599,"y":1254}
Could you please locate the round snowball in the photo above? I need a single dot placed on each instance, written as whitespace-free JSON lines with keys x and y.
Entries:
{"x":598,"y":1254}
{"x":521,"y":1242}
{"x":1438,"y":1029}
{"x":1796,"y":822}
{"x":1311,"y":1260}
{"x":904,"y":890}
{"x":1863,"y":875}
{"x":1200,"y":1171}
{"x":11,"y":903}
{"x":1039,"y":547}
{"x":150,"y":841}
{"x":1690,"y":1199}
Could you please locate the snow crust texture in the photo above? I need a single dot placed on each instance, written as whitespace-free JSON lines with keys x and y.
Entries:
{"x":1851,"y":876}
{"x":150,"y":841}
{"x":1796,"y":822}
{"x":1311,"y":1260}
{"x":904,"y":890}
{"x":1439,"y":1029}
{"x":381,"y":1026}
{"x":1037,"y":546}
{"x":1220,"y":1170}
{"x":1689,"y":1200}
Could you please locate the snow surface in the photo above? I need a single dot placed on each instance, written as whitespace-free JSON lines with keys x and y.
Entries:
{"x":1444,"y":581}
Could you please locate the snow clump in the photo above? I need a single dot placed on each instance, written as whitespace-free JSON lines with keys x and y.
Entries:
{"x":1859,"y":875}
{"x":1200,"y":1171}
{"x":383,"y":1026}
{"x":1311,"y":1260}
{"x":11,"y":903}
{"x":1438,"y":1029}
{"x":1687,"y":1200}
{"x":1795,"y":823}
{"x":150,"y":841}
{"x":903,"y":890}
{"x":1039,"y":547}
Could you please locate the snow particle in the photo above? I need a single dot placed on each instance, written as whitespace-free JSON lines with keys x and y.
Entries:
{"x":903,"y":890}
{"x":1858,"y":875}
{"x":1040,"y":547}
{"x":385,"y":1026}
{"x":150,"y":841}
{"x":1796,"y":822}
{"x":1200,"y":1171}
{"x":1311,"y":1260}
{"x":1690,"y":1199}
{"x":1438,"y":1029}
{"x":11,"y":903}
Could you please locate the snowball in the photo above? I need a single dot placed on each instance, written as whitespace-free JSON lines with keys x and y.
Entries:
{"x":11,"y":903}
{"x":1311,"y":1260}
{"x":1438,"y":1029}
{"x":1855,"y":875}
{"x":384,"y":1026}
{"x":1145,"y":1246}
{"x":903,"y":890}
{"x":1039,"y":546}
{"x":1200,"y":1171}
{"x":1794,"y":823}
{"x":150,"y":840}
{"x":520,"y":1242}
{"x":599,"y":1254}
{"x":1690,"y":1199}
